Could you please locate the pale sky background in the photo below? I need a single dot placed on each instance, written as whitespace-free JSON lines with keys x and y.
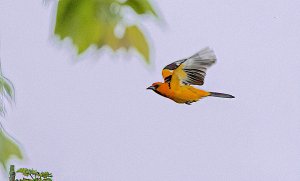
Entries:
{"x":94,"y":120}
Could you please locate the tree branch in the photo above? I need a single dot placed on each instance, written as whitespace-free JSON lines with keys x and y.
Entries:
{"x":12,"y":173}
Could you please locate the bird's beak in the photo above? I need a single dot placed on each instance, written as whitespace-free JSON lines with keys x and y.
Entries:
{"x":151,"y":88}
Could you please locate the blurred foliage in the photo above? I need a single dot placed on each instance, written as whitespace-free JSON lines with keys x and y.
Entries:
{"x":33,"y":175}
{"x":103,"y":23}
{"x":6,"y":93}
{"x":8,"y":149}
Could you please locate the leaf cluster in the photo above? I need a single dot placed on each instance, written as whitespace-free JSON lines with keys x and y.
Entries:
{"x":33,"y":175}
{"x":8,"y":148}
{"x":96,"y":22}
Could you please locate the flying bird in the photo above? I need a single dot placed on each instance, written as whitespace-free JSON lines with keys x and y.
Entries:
{"x":179,"y":77}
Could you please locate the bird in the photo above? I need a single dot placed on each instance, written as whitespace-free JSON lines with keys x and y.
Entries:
{"x":180,"y":75}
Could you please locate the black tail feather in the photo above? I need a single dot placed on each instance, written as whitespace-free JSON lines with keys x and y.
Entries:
{"x":216,"y":94}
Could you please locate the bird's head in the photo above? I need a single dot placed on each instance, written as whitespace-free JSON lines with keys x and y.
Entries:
{"x":155,"y":86}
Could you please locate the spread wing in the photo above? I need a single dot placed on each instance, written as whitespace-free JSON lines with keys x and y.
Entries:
{"x":191,"y":70}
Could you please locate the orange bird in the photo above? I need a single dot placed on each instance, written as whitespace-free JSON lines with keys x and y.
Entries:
{"x":180,"y":75}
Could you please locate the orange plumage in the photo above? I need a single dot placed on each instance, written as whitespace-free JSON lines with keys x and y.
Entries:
{"x":180,"y":75}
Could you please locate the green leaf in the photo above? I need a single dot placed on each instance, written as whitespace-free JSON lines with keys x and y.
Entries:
{"x":24,"y":171}
{"x":6,"y":87}
{"x":93,"y":22}
{"x":78,"y":20}
{"x":8,"y":149}
{"x":6,"y":92}
{"x":44,"y":176}
{"x":135,"y":38}
{"x":141,"y":6}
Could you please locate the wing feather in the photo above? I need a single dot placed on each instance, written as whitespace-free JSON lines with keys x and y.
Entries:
{"x":195,"y":67}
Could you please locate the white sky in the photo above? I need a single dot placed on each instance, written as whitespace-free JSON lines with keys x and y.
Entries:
{"x":94,"y":120}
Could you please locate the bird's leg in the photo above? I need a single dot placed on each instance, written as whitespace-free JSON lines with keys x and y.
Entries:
{"x":188,"y":103}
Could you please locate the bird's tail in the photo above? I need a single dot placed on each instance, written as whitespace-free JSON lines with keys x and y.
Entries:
{"x":216,"y":94}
